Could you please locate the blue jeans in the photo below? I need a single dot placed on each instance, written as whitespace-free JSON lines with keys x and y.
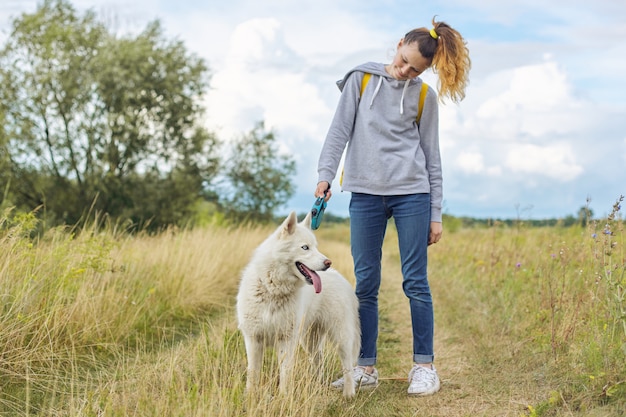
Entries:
{"x":369,"y":215}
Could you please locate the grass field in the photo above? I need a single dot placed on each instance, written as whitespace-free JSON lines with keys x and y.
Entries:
{"x":529,"y":322}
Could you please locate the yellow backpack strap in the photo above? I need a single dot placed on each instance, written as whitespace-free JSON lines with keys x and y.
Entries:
{"x":420,"y":107}
{"x":366,"y":79}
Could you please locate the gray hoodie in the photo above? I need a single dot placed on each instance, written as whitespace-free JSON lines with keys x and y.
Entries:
{"x":387,"y":152}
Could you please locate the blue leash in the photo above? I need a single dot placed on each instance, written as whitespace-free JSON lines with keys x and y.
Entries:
{"x":317,"y":212}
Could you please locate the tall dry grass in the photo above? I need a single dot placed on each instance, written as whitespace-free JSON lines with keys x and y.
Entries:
{"x":83,"y":310}
{"x":528,"y":322}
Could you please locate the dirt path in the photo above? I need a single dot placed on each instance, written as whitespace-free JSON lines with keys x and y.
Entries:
{"x":480,"y":374}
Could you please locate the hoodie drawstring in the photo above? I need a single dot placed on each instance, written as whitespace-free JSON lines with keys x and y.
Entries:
{"x":406,"y":85}
{"x":380,"y":81}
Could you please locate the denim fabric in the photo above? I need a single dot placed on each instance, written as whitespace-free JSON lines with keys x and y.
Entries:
{"x":369,"y":215}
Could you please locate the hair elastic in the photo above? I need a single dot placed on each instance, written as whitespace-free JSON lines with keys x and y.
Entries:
{"x":433,"y":33}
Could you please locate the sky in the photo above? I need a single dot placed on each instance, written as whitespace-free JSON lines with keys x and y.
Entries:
{"x":542,"y":129}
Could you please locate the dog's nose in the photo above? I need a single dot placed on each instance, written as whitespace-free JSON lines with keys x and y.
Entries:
{"x":328,"y":263}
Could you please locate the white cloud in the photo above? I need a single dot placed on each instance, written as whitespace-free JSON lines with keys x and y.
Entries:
{"x":529,"y":102}
{"x":258,"y":41}
{"x":525,"y":120}
{"x":555,"y":161}
{"x":263,"y":79}
{"x":470,"y":162}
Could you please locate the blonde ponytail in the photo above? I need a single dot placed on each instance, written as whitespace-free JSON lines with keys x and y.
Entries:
{"x":450,"y":57}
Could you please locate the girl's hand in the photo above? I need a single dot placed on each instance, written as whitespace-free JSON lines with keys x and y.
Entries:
{"x":436,"y":230}
{"x":322,"y":187}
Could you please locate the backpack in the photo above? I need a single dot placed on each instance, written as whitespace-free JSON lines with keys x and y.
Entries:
{"x":420,"y":106}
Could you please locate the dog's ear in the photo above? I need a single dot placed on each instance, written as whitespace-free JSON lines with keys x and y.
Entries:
{"x":307,"y":220}
{"x":289,"y":225}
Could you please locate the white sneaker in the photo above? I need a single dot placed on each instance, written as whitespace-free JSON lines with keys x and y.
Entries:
{"x":423,"y":381}
{"x":362,"y":379}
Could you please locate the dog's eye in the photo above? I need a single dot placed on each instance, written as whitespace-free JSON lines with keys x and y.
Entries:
{"x":305,"y":247}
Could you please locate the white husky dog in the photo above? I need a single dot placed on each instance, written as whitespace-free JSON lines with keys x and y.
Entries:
{"x":288,"y":295}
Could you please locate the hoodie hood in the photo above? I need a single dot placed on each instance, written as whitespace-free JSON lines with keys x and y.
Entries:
{"x":374,"y":68}
{"x":378,"y":69}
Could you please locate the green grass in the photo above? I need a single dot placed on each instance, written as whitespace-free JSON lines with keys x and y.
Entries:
{"x":529,"y":322}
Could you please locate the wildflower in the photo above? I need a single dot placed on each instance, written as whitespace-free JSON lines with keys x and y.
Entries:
{"x":517,"y":265}
{"x":553,"y":255}
{"x":594,"y":236}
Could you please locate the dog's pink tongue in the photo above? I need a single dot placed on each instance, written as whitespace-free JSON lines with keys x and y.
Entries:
{"x":317,"y":282}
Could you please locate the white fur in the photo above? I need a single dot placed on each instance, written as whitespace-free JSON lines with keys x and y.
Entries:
{"x":277,"y":307}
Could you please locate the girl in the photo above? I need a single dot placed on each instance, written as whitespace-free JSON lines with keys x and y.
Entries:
{"x":393,"y":169}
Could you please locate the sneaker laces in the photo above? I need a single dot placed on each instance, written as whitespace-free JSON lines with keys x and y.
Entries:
{"x":422,"y":376}
{"x":358,"y":375}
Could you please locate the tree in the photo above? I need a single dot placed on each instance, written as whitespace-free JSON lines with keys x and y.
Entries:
{"x":258,"y":176}
{"x":585,"y":215}
{"x":92,"y":119}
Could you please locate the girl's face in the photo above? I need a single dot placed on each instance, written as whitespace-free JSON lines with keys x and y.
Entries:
{"x":408,"y":62}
